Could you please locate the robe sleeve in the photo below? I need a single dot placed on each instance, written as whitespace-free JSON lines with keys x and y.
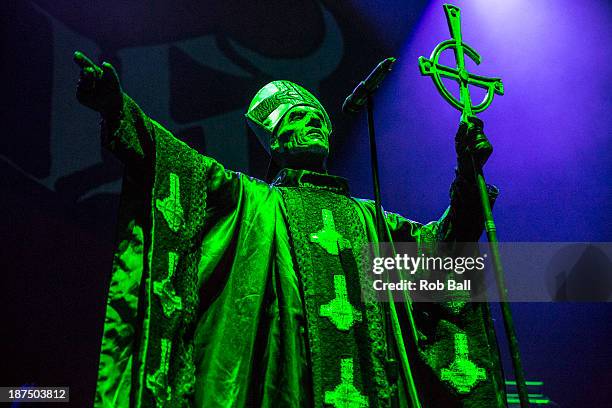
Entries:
{"x":463,"y":220}
{"x":168,"y":191}
{"x":447,"y":328}
{"x":134,"y":138}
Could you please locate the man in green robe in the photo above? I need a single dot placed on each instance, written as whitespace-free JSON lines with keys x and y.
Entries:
{"x":230,"y":291}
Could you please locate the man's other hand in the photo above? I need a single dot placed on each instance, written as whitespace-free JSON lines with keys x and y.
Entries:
{"x":98,"y":87}
{"x":471,"y":141}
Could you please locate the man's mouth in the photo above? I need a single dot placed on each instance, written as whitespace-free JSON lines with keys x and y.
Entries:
{"x":314,"y":134}
{"x":311,"y":136}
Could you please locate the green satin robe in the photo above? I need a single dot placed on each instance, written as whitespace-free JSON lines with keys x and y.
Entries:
{"x":206,"y":306}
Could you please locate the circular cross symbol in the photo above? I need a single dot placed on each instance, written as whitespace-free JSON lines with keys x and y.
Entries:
{"x":431,"y":67}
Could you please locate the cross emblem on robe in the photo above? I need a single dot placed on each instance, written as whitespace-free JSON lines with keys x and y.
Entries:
{"x":170,"y":301}
{"x":346,"y":395}
{"x":170,"y":207}
{"x":462,"y":374}
{"x":330,"y":239}
{"x":339,"y":310}
{"x":158,"y":381}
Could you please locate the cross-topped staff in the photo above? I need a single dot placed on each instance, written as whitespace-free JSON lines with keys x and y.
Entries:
{"x":431,"y":67}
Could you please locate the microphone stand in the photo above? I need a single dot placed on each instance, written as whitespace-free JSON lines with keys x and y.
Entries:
{"x":383,"y":233}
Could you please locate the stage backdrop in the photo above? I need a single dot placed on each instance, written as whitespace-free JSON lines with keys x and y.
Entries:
{"x":194,"y":67}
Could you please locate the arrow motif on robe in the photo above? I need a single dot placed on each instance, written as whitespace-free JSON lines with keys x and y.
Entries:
{"x":431,"y":67}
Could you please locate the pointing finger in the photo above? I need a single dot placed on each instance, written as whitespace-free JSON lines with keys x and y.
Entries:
{"x":83,"y":61}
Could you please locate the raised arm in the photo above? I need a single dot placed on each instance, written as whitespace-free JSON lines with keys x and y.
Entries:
{"x":134,"y":137}
{"x":126,"y":130}
{"x":98,"y":88}
{"x":463,"y":220}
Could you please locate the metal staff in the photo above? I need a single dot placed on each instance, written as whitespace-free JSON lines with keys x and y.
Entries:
{"x":431,"y":67}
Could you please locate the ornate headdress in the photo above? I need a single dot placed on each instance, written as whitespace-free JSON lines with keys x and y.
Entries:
{"x":272,"y":102}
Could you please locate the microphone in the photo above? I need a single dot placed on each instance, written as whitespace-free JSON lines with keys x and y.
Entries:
{"x":355,"y":101}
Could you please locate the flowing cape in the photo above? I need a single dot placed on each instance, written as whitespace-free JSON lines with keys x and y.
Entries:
{"x":205,"y":306}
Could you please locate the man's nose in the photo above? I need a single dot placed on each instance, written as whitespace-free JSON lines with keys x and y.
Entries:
{"x":314,"y":121}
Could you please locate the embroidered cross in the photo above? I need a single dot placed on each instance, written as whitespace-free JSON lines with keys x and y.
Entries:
{"x":339,"y":310}
{"x":170,"y":207}
{"x":170,"y":301}
{"x":158,"y":381}
{"x":330,"y":239}
{"x":346,"y":395}
{"x":462,"y":374}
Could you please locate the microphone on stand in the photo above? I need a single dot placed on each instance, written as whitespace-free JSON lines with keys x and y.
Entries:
{"x":353,"y":103}
{"x":357,"y":99}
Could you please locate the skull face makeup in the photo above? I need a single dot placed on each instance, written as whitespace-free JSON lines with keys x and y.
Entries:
{"x":301,"y":139}
{"x":292,"y":125}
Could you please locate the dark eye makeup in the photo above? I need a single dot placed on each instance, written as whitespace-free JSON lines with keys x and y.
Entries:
{"x":296,"y":115}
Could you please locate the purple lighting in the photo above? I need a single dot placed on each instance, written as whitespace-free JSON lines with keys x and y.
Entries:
{"x":551,"y":130}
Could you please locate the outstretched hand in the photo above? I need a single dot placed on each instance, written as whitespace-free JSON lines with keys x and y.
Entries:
{"x":471,"y":142}
{"x":99,"y":87}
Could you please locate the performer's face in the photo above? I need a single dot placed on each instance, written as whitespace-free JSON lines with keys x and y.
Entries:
{"x":301,"y":139}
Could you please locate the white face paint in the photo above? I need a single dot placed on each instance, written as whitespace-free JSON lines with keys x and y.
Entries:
{"x":302,"y":139}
